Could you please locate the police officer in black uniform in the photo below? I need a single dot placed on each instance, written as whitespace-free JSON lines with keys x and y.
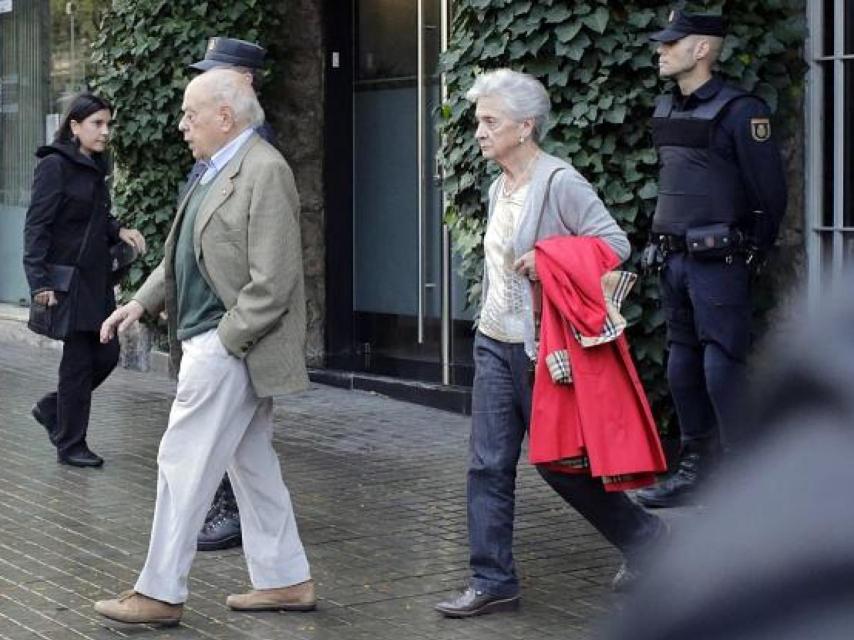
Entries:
{"x":222,"y":524}
{"x":721,"y":196}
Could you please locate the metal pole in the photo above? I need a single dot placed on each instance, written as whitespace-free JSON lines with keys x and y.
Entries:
{"x":72,"y":63}
{"x":422,"y":200}
{"x":814,"y":127}
{"x":838,"y":139}
{"x":447,"y":322}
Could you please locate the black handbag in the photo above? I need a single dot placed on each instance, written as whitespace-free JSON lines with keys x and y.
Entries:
{"x":122,"y":256}
{"x":57,"y":322}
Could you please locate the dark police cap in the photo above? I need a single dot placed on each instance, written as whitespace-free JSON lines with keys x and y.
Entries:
{"x":230,"y":52}
{"x":683,"y":24}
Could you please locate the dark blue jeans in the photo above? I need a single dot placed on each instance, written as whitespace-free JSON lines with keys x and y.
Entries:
{"x":501,"y":409}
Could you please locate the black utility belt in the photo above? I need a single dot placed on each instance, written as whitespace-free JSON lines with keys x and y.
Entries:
{"x":711,"y":241}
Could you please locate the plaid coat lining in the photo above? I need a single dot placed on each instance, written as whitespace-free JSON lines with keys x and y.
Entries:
{"x":615,"y":288}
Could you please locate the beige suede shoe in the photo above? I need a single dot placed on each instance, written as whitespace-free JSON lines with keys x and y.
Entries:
{"x":135,"y":608}
{"x":297,"y":597}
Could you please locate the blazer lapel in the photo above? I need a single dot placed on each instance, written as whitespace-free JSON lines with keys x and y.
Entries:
{"x":221,"y":189}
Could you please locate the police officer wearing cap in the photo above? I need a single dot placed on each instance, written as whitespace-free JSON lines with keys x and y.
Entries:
{"x":721,"y":196}
{"x":222,"y":523}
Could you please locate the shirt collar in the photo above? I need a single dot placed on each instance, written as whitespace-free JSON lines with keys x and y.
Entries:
{"x":226,"y":153}
{"x":706,"y":91}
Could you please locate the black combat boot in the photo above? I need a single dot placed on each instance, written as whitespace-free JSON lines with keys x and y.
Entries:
{"x":222,"y":524}
{"x":680,"y":487}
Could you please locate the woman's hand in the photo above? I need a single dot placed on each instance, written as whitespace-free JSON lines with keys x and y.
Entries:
{"x":526,"y":267}
{"x":134,"y":238}
{"x":47,"y":298}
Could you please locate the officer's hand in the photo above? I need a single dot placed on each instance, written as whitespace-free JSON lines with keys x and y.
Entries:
{"x":526,"y":267}
{"x":47,"y":298}
{"x":121,"y":319}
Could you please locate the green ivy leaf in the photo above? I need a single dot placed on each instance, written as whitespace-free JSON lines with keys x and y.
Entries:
{"x":598,"y":20}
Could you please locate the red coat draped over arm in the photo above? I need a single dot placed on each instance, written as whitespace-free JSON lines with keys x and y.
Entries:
{"x":600,"y":423}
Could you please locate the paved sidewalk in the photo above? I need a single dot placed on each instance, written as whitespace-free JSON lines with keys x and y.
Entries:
{"x":379,"y":491}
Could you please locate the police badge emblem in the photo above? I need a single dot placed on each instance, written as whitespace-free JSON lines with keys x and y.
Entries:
{"x":760,"y":129}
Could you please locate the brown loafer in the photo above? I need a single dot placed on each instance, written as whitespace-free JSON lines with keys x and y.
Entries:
{"x":135,"y":608}
{"x":297,"y":597}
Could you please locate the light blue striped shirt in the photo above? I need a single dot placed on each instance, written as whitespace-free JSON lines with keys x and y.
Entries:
{"x":226,"y":153}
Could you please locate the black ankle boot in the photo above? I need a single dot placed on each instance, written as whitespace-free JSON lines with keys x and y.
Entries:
{"x":222,"y":524}
{"x":680,"y":487}
{"x":221,"y":532}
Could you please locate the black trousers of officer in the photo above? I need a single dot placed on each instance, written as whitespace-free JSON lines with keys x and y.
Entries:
{"x":707,"y":304}
{"x":85,"y":364}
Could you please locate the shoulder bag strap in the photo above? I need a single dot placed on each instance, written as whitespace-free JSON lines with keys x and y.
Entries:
{"x":545,"y":203}
{"x":86,"y":235}
{"x":536,"y":288}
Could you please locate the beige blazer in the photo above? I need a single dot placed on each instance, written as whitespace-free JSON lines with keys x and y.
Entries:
{"x":247,"y":242}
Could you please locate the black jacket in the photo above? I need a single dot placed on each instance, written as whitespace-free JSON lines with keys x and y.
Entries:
{"x":69,"y":189}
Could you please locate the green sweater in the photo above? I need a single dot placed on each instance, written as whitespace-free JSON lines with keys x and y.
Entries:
{"x":199,"y":308}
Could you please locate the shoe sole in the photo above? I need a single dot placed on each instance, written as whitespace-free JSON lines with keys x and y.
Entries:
{"x":220,"y":545}
{"x":278,"y":607}
{"x":38,"y":417}
{"x":665,"y":504}
{"x":507,"y":604}
{"x":94,"y":465}
{"x":166,"y":622}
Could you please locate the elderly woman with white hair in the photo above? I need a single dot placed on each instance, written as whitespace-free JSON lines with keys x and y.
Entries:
{"x":536,"y":196}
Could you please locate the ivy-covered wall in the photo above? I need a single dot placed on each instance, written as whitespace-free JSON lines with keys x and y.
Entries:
{"x":595,"y":59}
{"x":142,"y":52}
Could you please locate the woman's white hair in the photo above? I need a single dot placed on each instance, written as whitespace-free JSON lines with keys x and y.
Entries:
{"x":230,"y":87}
{"x":523,"y":95}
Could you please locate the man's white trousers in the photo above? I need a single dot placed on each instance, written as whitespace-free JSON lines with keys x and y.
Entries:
{"x":217,"y":423}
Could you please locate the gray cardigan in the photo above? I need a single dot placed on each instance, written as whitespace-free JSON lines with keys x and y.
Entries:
{"x":573,"y":209}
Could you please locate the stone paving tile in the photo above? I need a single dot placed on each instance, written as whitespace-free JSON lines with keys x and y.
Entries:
{"x":379,"y":490}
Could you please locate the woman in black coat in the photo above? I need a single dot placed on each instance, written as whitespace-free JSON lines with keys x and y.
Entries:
{"x":69,"y":196}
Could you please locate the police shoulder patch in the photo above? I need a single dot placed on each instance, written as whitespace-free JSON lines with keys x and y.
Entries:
{"x":760,"y":129}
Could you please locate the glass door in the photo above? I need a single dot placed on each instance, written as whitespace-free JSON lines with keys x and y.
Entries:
{"x":397,"y":203}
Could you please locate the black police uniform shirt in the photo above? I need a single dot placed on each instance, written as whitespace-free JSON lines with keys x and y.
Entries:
{"x":743,"y":149}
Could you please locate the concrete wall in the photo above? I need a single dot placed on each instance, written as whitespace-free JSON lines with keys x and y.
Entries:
{"x":293,"y":99}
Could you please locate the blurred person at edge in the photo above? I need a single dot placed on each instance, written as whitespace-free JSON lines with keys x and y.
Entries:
{"x":776,"y":530}
{"x":511,"y":110}
{"x":70,"y":195}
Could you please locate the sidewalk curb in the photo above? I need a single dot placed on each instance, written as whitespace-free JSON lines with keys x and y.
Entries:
{"x":136,"y":353}
{"x":13,"y":328}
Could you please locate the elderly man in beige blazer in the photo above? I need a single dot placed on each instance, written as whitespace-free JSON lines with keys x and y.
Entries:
{"x":231,"y":282}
